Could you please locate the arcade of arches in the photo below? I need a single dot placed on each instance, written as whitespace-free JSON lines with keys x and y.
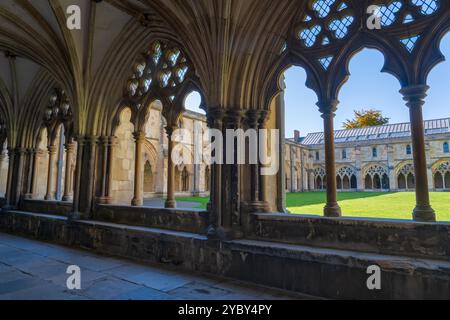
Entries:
{"x":87,"y":116}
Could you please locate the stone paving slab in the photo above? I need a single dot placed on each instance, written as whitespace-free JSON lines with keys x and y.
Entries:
{"x":32,"y":270}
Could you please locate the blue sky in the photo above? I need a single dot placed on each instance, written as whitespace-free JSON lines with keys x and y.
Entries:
{"x":366,"y":88}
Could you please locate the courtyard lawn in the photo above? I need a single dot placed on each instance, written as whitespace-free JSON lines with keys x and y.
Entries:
{"x":391,"y":205}
{"x":202,"y":202}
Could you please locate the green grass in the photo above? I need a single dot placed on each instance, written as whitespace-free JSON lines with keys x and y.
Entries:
{"x":391,"y":205}
{"x":360,"y":204}
{"x":202,"y":202}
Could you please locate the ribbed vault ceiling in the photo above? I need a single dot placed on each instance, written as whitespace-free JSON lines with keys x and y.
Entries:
{"x":233,"y":45}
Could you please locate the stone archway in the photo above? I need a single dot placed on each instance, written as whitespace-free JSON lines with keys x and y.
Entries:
{"x":376,"y":178}
{"x":441,"y":175}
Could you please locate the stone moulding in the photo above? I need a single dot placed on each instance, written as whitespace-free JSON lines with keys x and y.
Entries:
{"x":328,"y":273}
{"x":397,"y":237}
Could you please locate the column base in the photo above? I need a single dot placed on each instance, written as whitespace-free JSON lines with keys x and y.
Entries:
{"x":104,"y":200}
{"x":258,"y":207}
{"x":424,"y":214}
{"x":49,"y":198}
{"x":67,"y":199}
{"x":28,"y":196}
{"x":170,"y":204}
{"x":73,"y":216}
{"x":332,"y":211}
{"x":137,"y":203}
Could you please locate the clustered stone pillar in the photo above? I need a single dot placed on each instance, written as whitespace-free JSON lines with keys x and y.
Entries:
{"x":68,"y":179}
{"x":29,"y":188}
{"x":263,"y":178}
{"x":52,"y":152}
{"x":84,"y":177}
{"x":170,"y":201}
{"x":11,"y":155}
{"x":231,"y":204}
{"x":255,"y":121}
{"x":138,"y":199}
{"x":215,"y":122}
{"x":253,"y":124}
{"x":107,"y":146}
{"x":332,"y":208}
{"x":415,"y":99}
{"x":15,"y":177}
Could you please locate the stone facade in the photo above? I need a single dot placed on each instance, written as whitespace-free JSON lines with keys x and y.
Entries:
{"x":379,"y":160}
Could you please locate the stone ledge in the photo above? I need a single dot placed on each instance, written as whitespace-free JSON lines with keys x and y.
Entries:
{"x":170,"y":219}
{"x":320,"y":272}
{"x":392,"y":237}
{"x":49,"y":207}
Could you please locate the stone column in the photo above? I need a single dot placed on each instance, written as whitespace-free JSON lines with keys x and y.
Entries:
{"x":292,"y":167}
{"x":77,"y":180}
{"x":415,"y":99}
{"x":108,"y":145}
{"x":263,"y":178}
{"x":68,"y":179}
{"x":38,"y":154}
{"x":170,"y":201}
{"x":231,"y":195}
{"x":50,"y":196}
{"x":332,"y":208}
{"x":18,"y":176}
{"x":138,"y":199}
{"x":215,"y":121}
{"x":281,"y":125}
{"x":2,"y":158}
{"x":9,"y":183}
{"x":29,"y":189}
{"x":252,"y":123}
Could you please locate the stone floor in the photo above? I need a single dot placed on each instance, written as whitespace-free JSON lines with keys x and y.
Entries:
{"x":32,"y":270}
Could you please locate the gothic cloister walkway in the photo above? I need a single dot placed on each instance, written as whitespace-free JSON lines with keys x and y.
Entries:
{"x":90,"y":114}
{"x":32,"y":270}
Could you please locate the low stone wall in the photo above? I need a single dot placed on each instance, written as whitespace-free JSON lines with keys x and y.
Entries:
{"x":406,"y":238}
{"x":177,"y":220}
{"x":49,"y":207}
{"x":319,"y":272}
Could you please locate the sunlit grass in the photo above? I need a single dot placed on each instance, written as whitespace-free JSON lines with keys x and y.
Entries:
{"x":369,"y":205}
{"x":359,"y":204}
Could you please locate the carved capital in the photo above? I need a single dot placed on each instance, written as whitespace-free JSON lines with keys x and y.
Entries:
{"x":139,"y":136}
{"x":215,"y":117}
{"x":52,"y":149}
{"x":415,"y":95}
{"x":328,"y":106}
{"x":233,"y":119}
{"x":252,"y":119}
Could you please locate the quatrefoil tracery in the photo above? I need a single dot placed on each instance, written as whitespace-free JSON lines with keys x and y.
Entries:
{"x":319,"y":172}
{"x":444,"y":168}
{"x":162,"y":67}
{"x":346,"y":172}
{"x":407,"y":169}
{"x":397,"y":12}
{"x":325,"y":22}
{"x":376,"y":169}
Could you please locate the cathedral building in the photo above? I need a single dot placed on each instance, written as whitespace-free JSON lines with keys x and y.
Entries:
{"x":92,"y":93}
{"x":370,"y":159}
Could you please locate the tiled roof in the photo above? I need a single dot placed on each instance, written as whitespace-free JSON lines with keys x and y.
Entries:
{"x":381,"y":132}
